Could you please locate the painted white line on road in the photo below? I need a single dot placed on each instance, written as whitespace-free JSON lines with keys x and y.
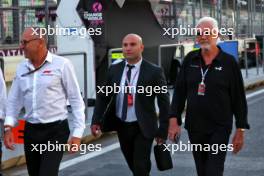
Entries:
{"x":82,"y":158}
{"x":22,"y":172}
{"x":255,"y":93}
{"x":114,"y":146}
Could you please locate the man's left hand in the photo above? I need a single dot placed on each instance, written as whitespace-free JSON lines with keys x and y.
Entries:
{"x":74,"y":143}
{"x":238,"y":141}
{"x":159,"y":140}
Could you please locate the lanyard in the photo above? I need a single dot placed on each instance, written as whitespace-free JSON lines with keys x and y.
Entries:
{"x":204,"y":73}
{"x":33,"y":71}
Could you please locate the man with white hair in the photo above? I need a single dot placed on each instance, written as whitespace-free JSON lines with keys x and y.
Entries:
{"x":211,"y":82}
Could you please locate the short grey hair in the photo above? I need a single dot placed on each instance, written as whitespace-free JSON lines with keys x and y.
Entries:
{"x":210,"y":20}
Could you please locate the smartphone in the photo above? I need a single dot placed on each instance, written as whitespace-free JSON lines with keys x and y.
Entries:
{"x":177,"y":138}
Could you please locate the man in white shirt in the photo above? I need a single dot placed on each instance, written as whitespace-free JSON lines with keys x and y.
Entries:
{"x":2,"y":96}
{"x":2,"y":110}
{"x":42,"y":85}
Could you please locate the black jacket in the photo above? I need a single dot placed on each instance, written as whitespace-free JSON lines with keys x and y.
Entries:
{"x":224,"y":95}
{"x":149,"y":75}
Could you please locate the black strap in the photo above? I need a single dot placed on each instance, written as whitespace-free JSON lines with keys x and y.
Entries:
{"x":33,"y":71}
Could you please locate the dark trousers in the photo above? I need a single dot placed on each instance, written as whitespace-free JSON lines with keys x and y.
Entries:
{"x":47,"y":163}
{"x":1,"y":139}
{"x":0,"y":157}
{"x":209,"y":163}
{"x":136,"y":148}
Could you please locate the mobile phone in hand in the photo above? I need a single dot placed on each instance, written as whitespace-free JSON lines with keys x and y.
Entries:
{"x":177,"y":138}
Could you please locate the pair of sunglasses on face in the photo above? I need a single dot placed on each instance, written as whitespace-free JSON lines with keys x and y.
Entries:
{"x":25,"y":42}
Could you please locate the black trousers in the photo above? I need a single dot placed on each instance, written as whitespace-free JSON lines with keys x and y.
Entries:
{"x":136,"y":148}
{"x":46,"y":163}
{"x":210,"y":163}
{"x":0,"y":157}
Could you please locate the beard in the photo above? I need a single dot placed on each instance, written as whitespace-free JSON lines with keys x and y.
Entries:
{"x":205,"y":46}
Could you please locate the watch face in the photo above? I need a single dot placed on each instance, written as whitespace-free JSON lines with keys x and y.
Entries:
{"x":7,"y":128}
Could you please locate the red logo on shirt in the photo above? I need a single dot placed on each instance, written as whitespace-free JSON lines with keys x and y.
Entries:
{"x":47,"y":71}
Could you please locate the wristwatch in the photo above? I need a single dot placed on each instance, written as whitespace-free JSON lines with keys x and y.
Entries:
{"x":241,"y":129}
{"x":7,"y":128}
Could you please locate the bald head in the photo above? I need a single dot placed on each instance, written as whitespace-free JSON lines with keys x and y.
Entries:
{"x":135,"y":37}
{"x":33,"y":33}
{"x":33,"y":43}
{"x":132,"y":48}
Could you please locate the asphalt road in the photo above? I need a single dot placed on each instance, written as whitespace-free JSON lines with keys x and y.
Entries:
{"x":249,"y":162}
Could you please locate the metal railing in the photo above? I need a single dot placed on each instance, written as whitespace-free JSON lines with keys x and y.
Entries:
{"x":257,"y":56}
{"x":13,"y":21}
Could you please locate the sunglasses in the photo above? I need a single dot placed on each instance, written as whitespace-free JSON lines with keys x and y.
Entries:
{"x":25,"y":42}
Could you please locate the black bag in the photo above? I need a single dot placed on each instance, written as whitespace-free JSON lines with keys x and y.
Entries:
{"x":163,"y":157}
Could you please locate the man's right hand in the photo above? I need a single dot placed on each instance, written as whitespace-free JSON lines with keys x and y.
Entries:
{"x":174,"y":129}
{"x":96,"y":130}
{"x":9,"y":139}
